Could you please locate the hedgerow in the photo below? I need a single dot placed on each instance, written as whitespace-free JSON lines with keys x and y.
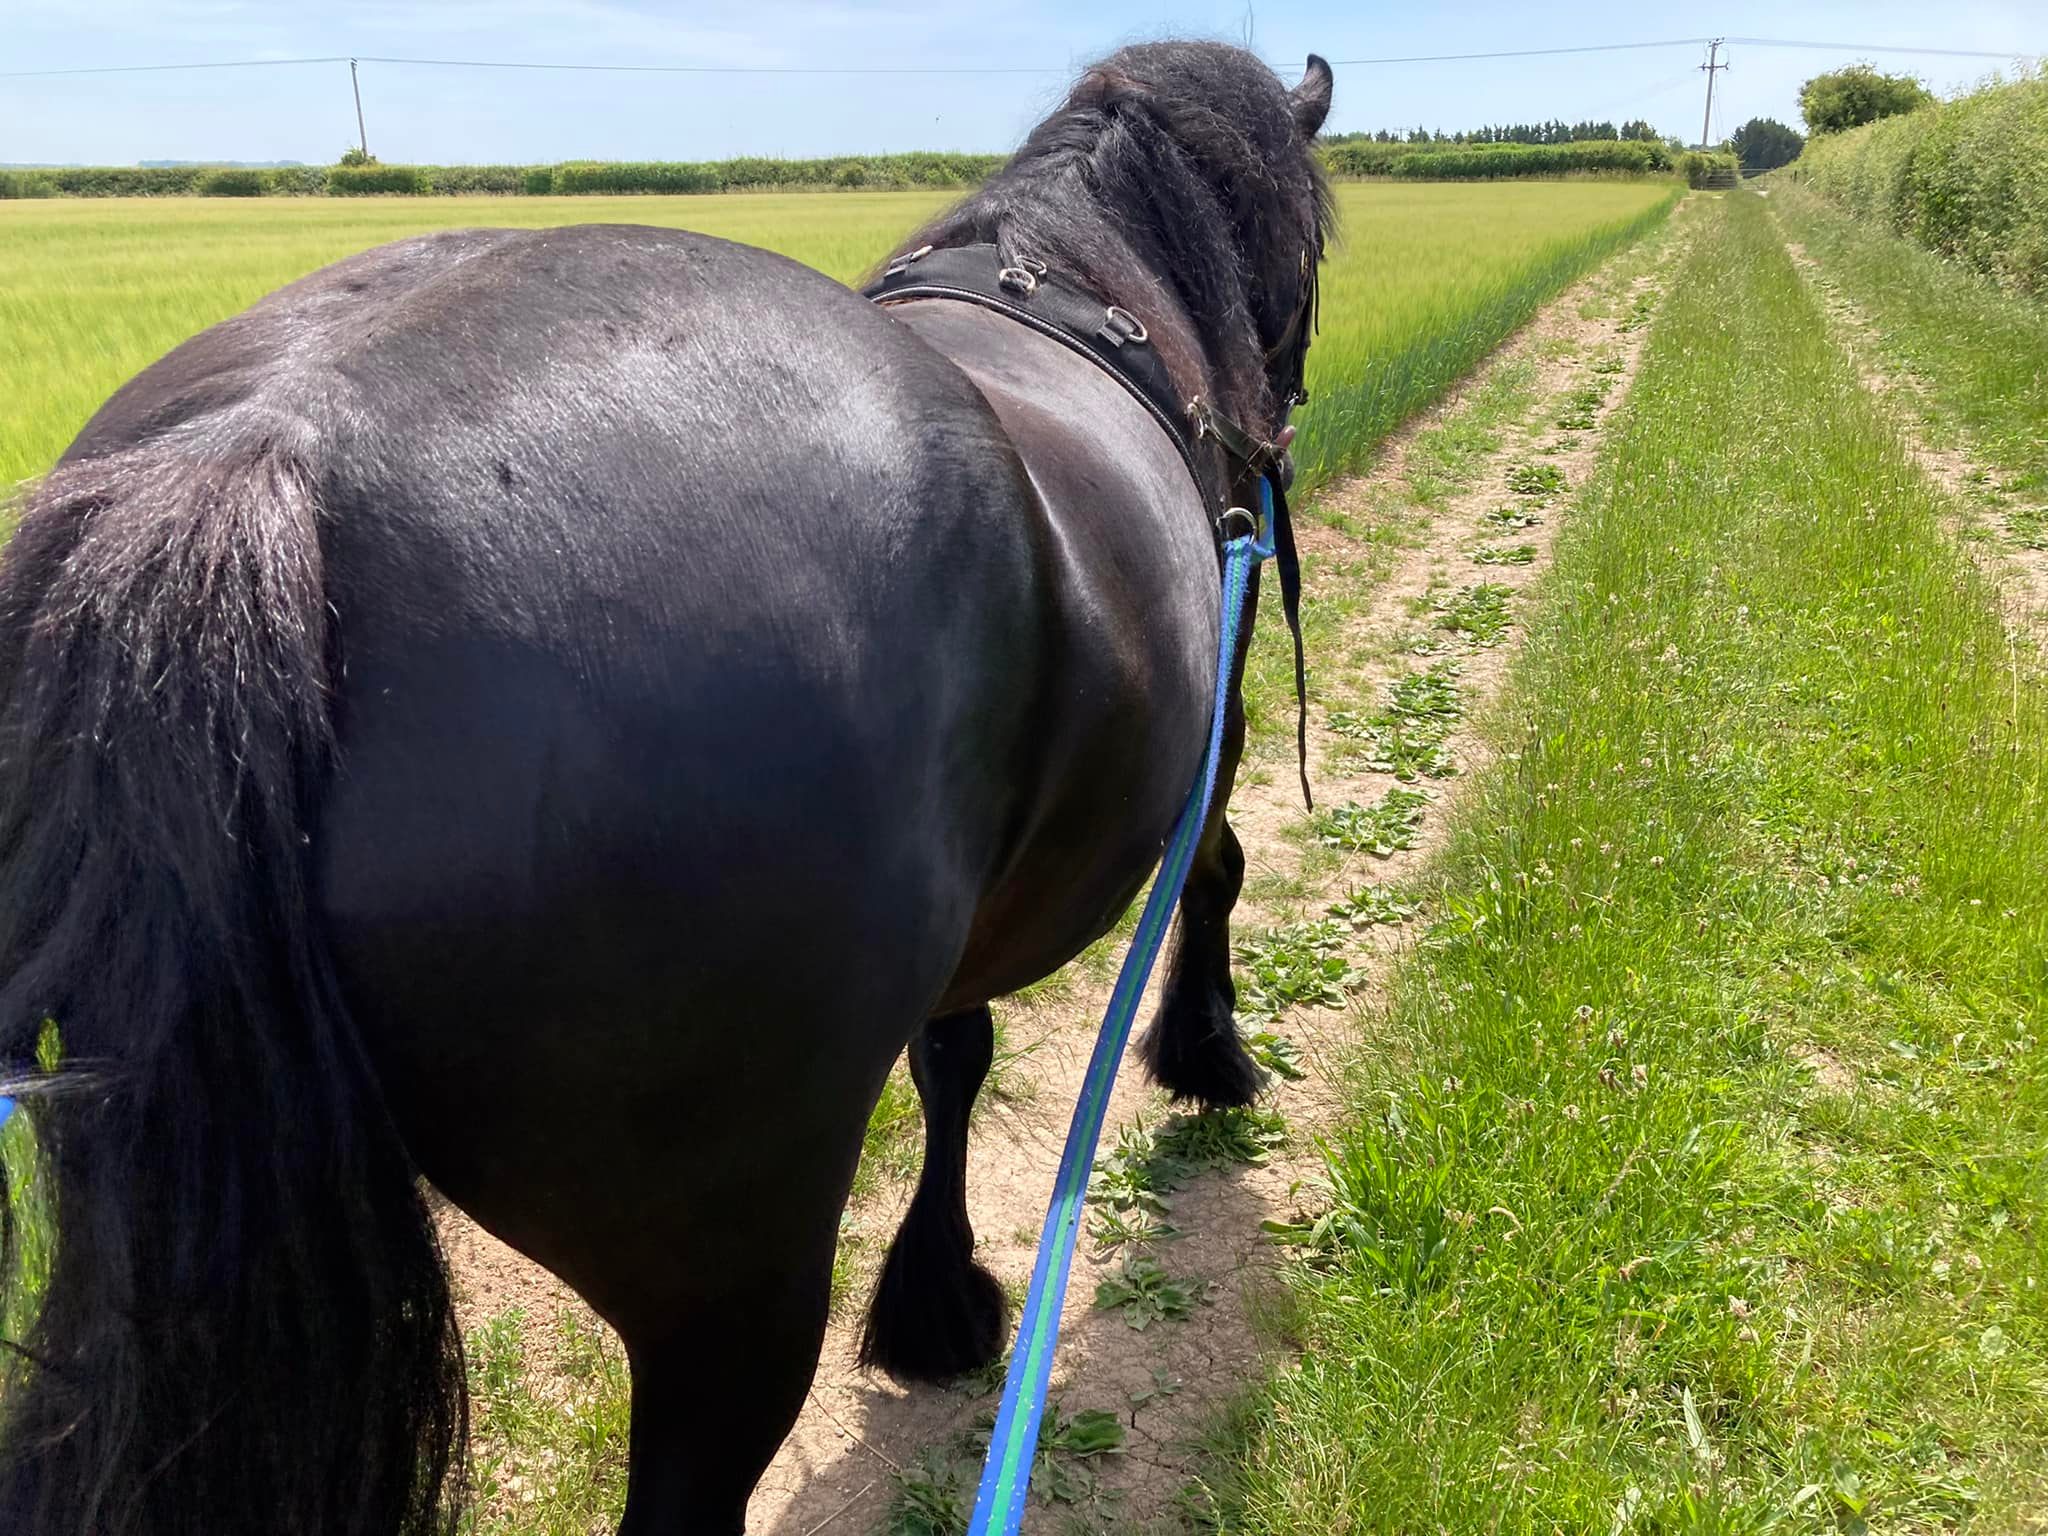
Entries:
{"x":232,"y":181}
{"x":1967,"y":178}
{"x":1485,"y":162}
{"x":876,"y":172}
{"x":362,"y":180}
{"x":1700,"y":167}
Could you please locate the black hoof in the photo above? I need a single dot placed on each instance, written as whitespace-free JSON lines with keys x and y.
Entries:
{"x":1195,"y":1055}
{"x":936,"y":1314}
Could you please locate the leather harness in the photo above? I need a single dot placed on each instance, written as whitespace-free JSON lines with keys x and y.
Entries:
{"x":1117,"y":342}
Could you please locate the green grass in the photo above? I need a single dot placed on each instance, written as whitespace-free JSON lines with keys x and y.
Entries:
{"x":1697,"y":1178}
{"x":1406,"y":736}
{"x":96,"y":290}
{"x":934,"y":1493}
{"x":1478,"y":612}
{"x":1973,"y":350}
{"x":549,"y":1444}
{"x":1428,"y":280}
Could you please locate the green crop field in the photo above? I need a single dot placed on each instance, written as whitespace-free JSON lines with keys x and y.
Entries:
{"x":1425,"y":279}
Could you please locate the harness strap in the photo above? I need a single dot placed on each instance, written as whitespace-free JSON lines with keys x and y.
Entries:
{"x":1288,"y":562}
{"x":1110,"y":337}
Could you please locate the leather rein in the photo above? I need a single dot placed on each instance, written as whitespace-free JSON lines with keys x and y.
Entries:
{"x":1117,"y":342}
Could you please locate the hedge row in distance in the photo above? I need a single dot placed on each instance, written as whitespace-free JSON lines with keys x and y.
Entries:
{"x":1967,"y":178}
{"x":880,"y":172}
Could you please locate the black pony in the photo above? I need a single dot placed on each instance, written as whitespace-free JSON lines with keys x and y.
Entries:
{"x":555,"y":712}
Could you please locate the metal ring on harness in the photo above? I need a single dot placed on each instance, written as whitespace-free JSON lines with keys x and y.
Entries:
{"x":1023,"y":277}
{"x":1237,"y":523}
{"x":1128,"y":327}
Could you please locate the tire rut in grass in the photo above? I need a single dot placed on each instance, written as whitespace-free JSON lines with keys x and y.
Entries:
{"x":2009,"y":545}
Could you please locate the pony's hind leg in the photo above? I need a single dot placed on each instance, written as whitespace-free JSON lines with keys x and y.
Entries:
{"x":937,"y":1313}
{"x":716,"y":1386}
{"x":1192,"y":1049}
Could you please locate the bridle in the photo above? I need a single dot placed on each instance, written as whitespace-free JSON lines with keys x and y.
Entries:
{"x":1118,"y":342}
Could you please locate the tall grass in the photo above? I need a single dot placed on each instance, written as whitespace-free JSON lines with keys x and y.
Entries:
{"x":1967,"y":178}
{"x":1698,"y":1180}
{"x":95,"y":290}
{"x":1428,"y":279}
{"x":1424,"y":281}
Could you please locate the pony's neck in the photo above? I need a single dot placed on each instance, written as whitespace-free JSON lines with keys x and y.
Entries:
{"x":1152,"y":239}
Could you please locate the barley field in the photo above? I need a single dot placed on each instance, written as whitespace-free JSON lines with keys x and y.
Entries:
{"x":1423,"y":281}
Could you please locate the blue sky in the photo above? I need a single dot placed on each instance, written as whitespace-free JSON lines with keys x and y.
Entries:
{"x":304,"y":112}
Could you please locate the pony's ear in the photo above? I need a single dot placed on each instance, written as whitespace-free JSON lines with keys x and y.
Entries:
{"x":1311,"y":98}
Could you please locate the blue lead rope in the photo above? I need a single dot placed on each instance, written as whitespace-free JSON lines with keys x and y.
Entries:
{"x":1006,"y":1475}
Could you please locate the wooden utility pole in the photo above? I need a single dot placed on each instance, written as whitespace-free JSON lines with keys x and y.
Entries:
{"x":363,"y":139}
{"x":1707,"y":121}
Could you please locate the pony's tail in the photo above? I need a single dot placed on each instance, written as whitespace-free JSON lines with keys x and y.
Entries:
{"x":224,"y":1305}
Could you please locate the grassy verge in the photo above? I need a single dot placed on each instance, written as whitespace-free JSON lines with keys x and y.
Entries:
{"x":1696,"y":1179}
{"x":1973,"y":349}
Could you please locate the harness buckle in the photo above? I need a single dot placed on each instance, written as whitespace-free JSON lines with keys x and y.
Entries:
{"x":902,"y":263}
{"x":1119,"y":325}
{"x":1023,"y":278}
{"x":1239,"y":518}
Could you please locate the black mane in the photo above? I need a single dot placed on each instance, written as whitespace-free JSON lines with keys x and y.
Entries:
{"x":1177,"y":181}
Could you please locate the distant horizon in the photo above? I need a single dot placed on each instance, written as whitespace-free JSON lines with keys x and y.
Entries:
{"x":268,"y":165}
{"x":480,"y":82}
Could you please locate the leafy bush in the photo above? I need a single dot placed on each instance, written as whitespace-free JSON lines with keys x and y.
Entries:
{"x":630,"y":176}
{"x":364,"y":180}
{"x":298,"y":180}
{"x":354,"y":155}
{"x":231,"y":181}
{"x":126,"y":180}
{"x":458,"y":180}
{"x":357,"y":174}
{"x":1362,"y":157}
{"x":17,"y":184}
{"x":1849,"y":98}
{"x":1702,"y":167}
{"x":1967,"y":178}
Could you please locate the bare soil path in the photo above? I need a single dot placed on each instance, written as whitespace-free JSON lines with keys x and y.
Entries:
{"x":1427,"y":558}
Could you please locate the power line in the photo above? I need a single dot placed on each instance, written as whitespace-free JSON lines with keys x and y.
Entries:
{"x":149,"y":69}
{"x":624,"y":69}
{"x":1953,"y":53}
{"x":1524,"y":53}
{"x":976,"y":69}
{"x":736,"y":69}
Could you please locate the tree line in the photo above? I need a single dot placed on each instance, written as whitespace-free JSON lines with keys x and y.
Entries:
{"x":1555,"y":131}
